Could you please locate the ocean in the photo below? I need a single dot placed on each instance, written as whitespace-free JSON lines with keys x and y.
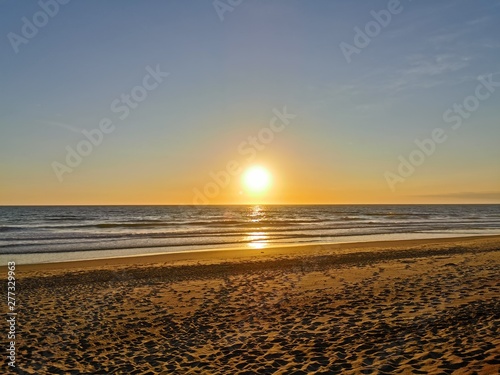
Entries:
{"x":30,"y":234}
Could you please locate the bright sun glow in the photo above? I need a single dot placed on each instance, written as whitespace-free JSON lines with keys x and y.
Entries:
{"x":256,"y":179}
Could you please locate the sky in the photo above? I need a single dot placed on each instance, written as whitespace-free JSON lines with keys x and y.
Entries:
{"x":169,"y":102}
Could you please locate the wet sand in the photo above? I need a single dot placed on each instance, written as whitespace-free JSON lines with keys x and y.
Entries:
{"x":406,"y":307}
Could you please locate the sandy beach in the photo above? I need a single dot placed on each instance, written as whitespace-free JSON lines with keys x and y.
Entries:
{"x":401,"y":307}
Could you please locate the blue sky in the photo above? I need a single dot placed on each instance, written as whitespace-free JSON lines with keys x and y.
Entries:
{"x":226,"y":77}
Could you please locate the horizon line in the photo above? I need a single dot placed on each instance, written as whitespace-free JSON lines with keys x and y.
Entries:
{"x":247,"y":204}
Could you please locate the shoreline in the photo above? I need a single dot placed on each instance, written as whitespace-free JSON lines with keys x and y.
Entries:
{"x":211,"y":256}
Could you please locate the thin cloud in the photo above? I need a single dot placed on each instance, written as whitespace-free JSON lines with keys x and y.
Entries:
{"x":478,"y":21}
{"x":424,"y":72}
{"x":495,"y":195}
{"x":64,"y":126}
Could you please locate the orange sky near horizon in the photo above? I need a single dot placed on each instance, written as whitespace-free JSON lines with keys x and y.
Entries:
{"x":288,"y":186}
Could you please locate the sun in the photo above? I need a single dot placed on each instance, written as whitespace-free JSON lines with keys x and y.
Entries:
{"x":256,"y":179}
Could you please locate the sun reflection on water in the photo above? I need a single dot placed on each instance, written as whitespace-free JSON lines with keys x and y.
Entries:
{"x":256,"y":214}
{"x":256,"y":240}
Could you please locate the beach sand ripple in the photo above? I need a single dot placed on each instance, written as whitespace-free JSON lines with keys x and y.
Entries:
{"x":428,"y":309}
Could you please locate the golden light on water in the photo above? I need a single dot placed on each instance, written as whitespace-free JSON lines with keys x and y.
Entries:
{"x":258,"y":240}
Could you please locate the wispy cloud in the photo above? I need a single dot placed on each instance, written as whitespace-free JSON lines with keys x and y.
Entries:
{"x":383,"y":85}
{"x":444,"y":37}
{"x":421,"y":66}
{"x":424,"y":72}
{"x":489,"y":195}
{"x":478,"y":21}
